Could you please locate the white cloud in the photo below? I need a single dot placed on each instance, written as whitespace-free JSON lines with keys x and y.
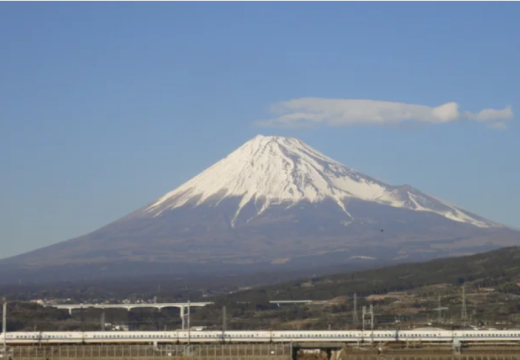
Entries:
{"x":498,"y":126}
{"x":342,"y":112}
{"x":492,"y":114}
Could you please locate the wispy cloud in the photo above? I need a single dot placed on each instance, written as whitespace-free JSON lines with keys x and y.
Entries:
{"x":492,"y":114}
{"x":342,"y":112}
{"x":498,"y":126}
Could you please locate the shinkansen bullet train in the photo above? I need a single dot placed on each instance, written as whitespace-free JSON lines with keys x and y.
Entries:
{"x":180,"y":337}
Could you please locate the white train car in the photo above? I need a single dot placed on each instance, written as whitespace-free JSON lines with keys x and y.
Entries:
{"x":183,"y":337}
{"x":33,"y":337}
{"x":333,"y":336}
{"x":122,"y":337}
{"x":241,"y":336}
{"x":426,"y":335}
{"x":487,"y":336}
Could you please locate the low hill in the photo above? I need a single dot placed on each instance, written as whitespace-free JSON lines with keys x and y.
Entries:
{"x":403,"y":296}
{"x":499,"y":269}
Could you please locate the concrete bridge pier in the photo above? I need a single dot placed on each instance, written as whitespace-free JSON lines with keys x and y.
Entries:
{"x":332,"y":351}
{"x":333,"y":354}
{"x":329,"y":354}
{"x":182,"y":316}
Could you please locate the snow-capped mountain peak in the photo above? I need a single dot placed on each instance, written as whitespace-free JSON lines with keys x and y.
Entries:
{"x":271,"y":170}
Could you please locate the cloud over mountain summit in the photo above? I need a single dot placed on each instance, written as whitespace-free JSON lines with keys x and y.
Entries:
{"x":342,"y":112}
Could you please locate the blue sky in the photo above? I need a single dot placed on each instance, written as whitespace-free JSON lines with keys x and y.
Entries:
{"x":106,"y":106}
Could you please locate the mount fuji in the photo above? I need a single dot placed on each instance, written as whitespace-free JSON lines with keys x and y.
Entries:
{"x":277,"y":202}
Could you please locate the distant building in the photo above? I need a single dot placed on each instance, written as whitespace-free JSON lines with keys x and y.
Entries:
{"x":118,"y":327}
{"x":38,"y":301}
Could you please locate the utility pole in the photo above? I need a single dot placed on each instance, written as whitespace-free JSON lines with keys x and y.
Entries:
{"x":372,"y":322}
{"x":372,"y":319}
{"x":189,"y":325}
{"x":439,"y":309}
{"x":439,"y":318}
{"x":464,"y":312}
{"x":365,"y":321}
{"x":223,"y":323}
{"x":354,"y":313}
{"x":363,"y":313}
{"x":183,"y":317}
{"x":103,"y":320}
{"x":4,"y":327}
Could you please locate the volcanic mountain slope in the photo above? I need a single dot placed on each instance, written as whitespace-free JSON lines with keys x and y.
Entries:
{"x":275,"y":200}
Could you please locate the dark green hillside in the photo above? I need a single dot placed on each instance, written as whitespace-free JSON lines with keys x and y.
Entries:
{"x":402,"y":295}
{"x":499,"y":269}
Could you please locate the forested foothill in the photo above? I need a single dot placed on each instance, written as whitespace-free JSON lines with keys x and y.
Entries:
{"x":402,"y":296}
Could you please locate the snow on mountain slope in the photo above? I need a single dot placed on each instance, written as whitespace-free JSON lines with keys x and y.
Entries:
{"x":271,"y":170}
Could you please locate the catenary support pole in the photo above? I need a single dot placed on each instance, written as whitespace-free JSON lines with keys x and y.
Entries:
{"x":189,"y":325}
{"x":224,"y":323}
{"x":4,"y":327}
{"x":464,"y":312}
{"x":103,"y":320}
{"x":354,"y":313}
{"x":182,"y":316}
